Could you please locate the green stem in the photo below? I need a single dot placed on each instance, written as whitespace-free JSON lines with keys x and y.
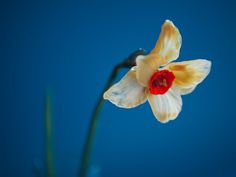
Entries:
{"x":48,"y":125}
{"x":127,"y":63}
{"x":93,"y":124}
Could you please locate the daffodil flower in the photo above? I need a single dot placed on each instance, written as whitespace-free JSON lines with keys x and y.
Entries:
{"x":157,"y":80}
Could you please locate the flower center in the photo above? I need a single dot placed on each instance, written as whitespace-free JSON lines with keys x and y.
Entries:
{"x":161,"y":81}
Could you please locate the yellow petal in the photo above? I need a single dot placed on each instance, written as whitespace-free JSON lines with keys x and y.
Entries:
{"x":169,"y":43}
{"x":189,"y":74}
{"x":127,"y":93}
{"x":165,"y":107}
{"x":146,"y":66}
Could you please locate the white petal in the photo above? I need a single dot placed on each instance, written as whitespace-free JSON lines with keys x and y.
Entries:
{"x":169,"y":43}
{"x":189,"y":74}
{"x":146,"y":66}
{"x":165,"y":107}
{"x":127,"y":93}
{"x":183,"y":91}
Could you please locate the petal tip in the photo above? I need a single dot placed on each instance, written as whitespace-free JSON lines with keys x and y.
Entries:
{"x":206,"y":65}
{"x":167,"y":118}
{"x":105,"y":95}
{"x":209,"y":63}
{"x":169,"y":23}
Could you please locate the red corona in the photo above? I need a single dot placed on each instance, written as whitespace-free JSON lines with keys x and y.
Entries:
{"x":161,"y":81}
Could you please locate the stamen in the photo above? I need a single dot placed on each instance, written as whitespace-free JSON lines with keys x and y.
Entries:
{"x":161,"y":81}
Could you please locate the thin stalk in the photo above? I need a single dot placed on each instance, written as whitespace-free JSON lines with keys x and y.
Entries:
{"x":48,"y":133}
{"x":93,"y":124}
{"x":127,"y":63}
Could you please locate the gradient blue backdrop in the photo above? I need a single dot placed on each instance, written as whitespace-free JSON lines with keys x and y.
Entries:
{"x":72,"y":46}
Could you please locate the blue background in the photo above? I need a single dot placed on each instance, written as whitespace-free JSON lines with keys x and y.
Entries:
{"x":72,"y":46}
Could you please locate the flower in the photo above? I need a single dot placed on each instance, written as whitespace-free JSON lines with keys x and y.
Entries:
{"x":157,"y":80}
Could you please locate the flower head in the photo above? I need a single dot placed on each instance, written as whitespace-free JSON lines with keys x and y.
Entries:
{"x":157,"y":80}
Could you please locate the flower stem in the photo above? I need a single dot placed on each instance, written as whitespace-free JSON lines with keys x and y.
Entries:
{"x":48,"y":133}
{"x":127,"y":63}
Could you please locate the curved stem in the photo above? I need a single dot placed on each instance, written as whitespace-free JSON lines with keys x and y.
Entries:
{"x":127,"y":63}
{"x":93,"y":124}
